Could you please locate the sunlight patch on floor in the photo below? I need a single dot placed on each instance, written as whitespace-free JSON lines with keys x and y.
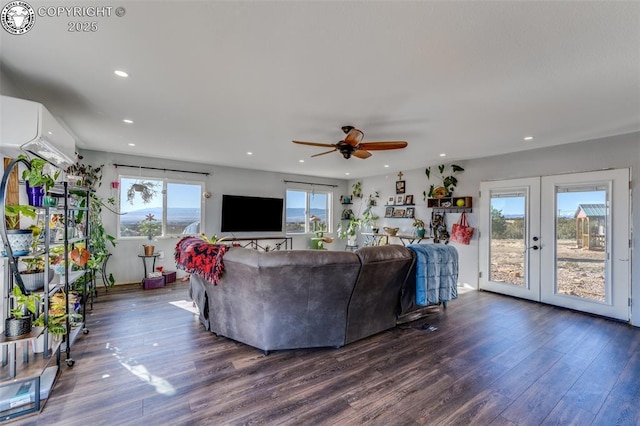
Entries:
{"x":187,"y":305}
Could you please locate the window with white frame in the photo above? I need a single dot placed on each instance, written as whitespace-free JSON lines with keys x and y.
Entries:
{"x":302,"y":206}
{"x":154,"y":207}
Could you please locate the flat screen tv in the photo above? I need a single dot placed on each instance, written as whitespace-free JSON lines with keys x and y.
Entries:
{"x":251,"y":214}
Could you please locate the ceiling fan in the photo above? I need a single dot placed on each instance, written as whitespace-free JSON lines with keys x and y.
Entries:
{"x":352,"y":144}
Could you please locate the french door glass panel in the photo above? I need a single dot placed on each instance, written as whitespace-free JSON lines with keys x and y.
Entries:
{"x":585,"y":223}
{"x":510,"y":222}
{"x":582,"y":223}
{"x":508,"y":216}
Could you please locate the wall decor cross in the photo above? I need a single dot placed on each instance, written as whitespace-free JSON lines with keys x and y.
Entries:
{"x":400,"y":174}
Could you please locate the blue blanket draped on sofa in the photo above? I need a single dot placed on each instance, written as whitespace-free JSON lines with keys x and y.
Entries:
{"x":436,"y":273}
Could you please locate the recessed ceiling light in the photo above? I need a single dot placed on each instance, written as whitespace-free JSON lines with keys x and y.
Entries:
{"x":300,"y":161}
{"x":347,"y":173}
{"x":386,"y":165}
{"x":443,"y":155}
{"x":528,"y":138}
{"x":126,"y":120}
{"x":131,"y":144}
{"x":249,"y":153}
{"x":120,"y":73}
{"x":50,"y":133}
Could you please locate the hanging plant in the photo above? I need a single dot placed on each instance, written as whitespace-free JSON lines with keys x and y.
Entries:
{"x":146,"y":190}
{"x":448,"y":184}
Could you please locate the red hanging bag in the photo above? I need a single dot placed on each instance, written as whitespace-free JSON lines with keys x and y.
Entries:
{"x":461,"y":232}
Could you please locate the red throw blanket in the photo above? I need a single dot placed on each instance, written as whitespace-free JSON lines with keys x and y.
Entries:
{"x":200,"y":258}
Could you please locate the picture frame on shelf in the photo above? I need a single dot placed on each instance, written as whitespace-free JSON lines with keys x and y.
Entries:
{"x":398,"y":212}
{"x":391,"y":200}
{"x":408,"y":199}
{"x":410,"y":212}
{"x":400,"y":187}
{"x":399,"y":200}
{"x":388,"y":212}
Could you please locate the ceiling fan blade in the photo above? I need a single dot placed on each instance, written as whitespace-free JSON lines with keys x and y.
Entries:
{"x":327,"y":145}
{"x":378,"y":146}
{"x":323,"y":153}
{"x":354,"y":137}
{"x":360,"y":153}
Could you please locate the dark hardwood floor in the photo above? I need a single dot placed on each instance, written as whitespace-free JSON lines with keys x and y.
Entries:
{"x":492,"y":360}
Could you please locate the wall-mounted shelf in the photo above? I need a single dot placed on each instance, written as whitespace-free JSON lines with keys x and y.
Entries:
{"x":451,"y":204}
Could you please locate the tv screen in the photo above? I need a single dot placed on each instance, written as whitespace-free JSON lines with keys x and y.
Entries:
{"x":251,"y":214}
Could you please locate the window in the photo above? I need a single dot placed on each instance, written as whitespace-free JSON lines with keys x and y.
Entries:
{"x":174,"y":207}
{"x":301,"y":205}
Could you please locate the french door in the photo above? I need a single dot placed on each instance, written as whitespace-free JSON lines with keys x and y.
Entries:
{"x":562,"y":240}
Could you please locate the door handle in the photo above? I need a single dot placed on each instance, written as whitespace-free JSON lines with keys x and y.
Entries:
{"x":534,"y":248}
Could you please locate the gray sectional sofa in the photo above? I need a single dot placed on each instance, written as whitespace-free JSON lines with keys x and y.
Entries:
{"x":305,"y":298}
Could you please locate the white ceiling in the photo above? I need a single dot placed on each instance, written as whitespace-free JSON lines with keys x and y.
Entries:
{"x":210,"y":81}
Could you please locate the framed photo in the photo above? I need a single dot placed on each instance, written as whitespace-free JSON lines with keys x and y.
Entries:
{"x":388,"y":212}
{"x":410,"y":213}
{"x":408,"y":199}
{"x":398,"y":213}
{"x":391,"y":200}
{"x":399,"y":199}
{"x":400,"y":187}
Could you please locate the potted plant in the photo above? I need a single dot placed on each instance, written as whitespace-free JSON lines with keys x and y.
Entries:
{"x":20,"y":240}
{"x":350,"y":231}
{"x":418,"y":224}
{"x":38,"y":182}
{"x":19,"y":322}
{"x":33,"y":274}
{"x":448,"y":183}
{"x":146,"y":190}
{"x":150,"y":227}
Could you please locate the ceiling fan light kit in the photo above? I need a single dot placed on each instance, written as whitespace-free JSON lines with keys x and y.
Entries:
{"x":352,"y":145}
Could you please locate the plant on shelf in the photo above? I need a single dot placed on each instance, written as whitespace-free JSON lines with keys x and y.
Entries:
{"x":85,"y":175}
{"x":369,"y":218}
{"x":57,"y":321}
{"x":36,"y":175}
{"x":349,"y":231}
{"x":418,"y":224}
{"x":12,"y":214}
{"x":91,"y":177}
{"x":146,"y":190}
{"x":356,"y":190}
{"x":20,"y":316}
{"x":448,"y":181}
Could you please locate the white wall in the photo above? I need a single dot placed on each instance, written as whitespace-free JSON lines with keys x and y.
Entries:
{"x":125,"y":264}
{"x":621,"y":151}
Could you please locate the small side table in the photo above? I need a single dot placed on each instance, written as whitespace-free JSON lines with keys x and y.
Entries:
{"x":144,"y":263}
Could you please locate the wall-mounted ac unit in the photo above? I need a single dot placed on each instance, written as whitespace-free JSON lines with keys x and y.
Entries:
{"x":27,"y":126}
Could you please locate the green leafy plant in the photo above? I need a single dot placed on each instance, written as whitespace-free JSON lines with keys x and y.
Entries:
{"x":448,"y":179}
{"x":418,"y":223}
{"x":350,"y":229}
{"x":356,"y":189}
{"x":214,"y":239}
{"x":99,"y":239}
{"x":36,"y":175}
{"x":150,"y":227}
{"x":12,"y":214}
{"x":146,"y":190}
{"x":25,"y":304}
